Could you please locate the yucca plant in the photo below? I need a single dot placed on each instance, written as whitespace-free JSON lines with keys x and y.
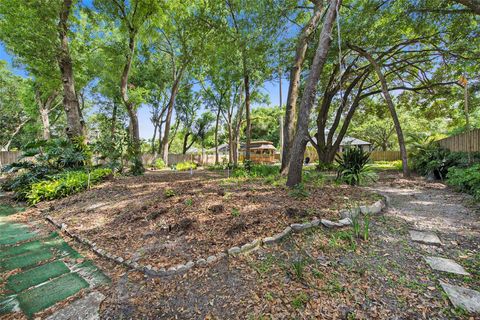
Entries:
{"x":353,"y":167}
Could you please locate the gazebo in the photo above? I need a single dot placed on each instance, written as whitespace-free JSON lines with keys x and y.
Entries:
{"x":260,"y":152}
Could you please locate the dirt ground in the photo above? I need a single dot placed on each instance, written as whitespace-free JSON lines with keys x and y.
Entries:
{"x":320,"y":275}
{"x":166,"y":218}
{"x":317,"y":274}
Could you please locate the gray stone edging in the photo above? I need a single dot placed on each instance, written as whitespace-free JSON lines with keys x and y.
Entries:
{"x":346,"y":214}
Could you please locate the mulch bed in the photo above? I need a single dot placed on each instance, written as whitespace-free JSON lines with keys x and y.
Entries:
{"x":162,"y":219}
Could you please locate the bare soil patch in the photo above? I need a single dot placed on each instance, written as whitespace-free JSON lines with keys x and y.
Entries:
{"x":162,"y":219}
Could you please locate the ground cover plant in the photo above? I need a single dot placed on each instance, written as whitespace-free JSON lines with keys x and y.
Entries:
{"x":466,"y":179}
{"x":65,"y":184}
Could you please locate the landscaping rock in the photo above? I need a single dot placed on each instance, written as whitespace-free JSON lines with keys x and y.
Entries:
{"x":345,"y":221}
{"x":330,"y":224}
{"x":464,"y":298}
{"x":376,"y":207}
{"x":300,"y":226}
{"x":211,"y":259}
{"x":425,"y":237}
{"x":233,"y":251}
{"x":364,"y":209}
{"x":268,"y":240}
{"x":446,"y":265}
{"x":189,"y":264}
{"x":201,"y":262}
{"x":315,"y":222}
{"x":350,"y":213}
{"x":249,"y":246}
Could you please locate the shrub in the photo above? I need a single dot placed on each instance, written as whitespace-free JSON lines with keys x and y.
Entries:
{"x":49,"y":158}
{"x":465,"y":179}
{"x":256,"y":171}
{"x":168,"y":193}
{"x":428,"y":158}
{"x":64,"y":184}
{"x":353,"y":167}
{"x":187,"y":165}
{"x":159,"y":164}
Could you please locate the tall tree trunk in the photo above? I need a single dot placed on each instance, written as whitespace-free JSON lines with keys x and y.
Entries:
{"x":391,"y":107}
{"x":238,"y":126}
{"x":44,"y":109}
{"x":155,"y":128}
{"x":137,"y":167}
{"x":217,"y":122}
{"x":185,"y":142}
{"x":160,"y":139}
{"x":171,"y":105}
{"x":14,"y":134}
{"x":230,"y":142}
{"x":113,"y":124}
{"x":308,"y":99}
{"x":295,"y":72}
{"x":75,"y":125}
{"x":247,"y":116}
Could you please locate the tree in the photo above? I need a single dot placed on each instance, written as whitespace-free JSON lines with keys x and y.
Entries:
{"x":294,"y":86}
{"x":13,"y":115}
{"x":391,"y":106}
{"x":133,"y":17}
{"x":187,"y":106}
{"x":302,"y":134}
{"x":38,"y":36}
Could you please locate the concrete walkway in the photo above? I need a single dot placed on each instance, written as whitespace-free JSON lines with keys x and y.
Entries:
{"x":39,"y":270}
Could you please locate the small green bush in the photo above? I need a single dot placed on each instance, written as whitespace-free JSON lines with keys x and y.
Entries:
{"x":187,"y":165}
{"x":353,"y":167}
{"x":159,"y":164}
{"x":168,"y":193}
{"x":465,"y":179}
{"x":256,"y":171}
{"x":64,"y":184}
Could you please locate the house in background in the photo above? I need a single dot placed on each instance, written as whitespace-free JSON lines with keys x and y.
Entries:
{"x":348,"y":142}
{"x":311,"y":152}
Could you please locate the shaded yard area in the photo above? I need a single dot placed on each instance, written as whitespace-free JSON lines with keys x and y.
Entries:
{"x":167,"y":218}
{"x":320,"y":273}
{"x":324,"y":273}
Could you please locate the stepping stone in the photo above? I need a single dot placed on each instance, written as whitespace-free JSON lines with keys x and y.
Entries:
{"x":447,"y":265}
{"x":464,"y":298}
{"x":425,"y":237}
{"x":85,"y":308}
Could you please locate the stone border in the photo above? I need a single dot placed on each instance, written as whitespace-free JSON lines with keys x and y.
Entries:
{"x":347,"y":215}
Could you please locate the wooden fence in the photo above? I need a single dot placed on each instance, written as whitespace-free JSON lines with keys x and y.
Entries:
{"x":385,"y":155}
{"x":7,"y":157}
{"x":374,"y":155}
{"x":463,"y":142}
{"x":174,"y":158}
